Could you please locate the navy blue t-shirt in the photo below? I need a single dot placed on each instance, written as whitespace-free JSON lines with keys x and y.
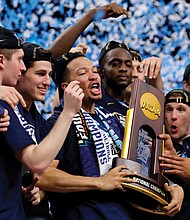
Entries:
{"x":116,"y":107}
{"x":13,"y":140}
{"x":93,"y":205}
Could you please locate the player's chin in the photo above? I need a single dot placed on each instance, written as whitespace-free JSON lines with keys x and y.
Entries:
{"x":96,"y":98}
{"x":40,"y":98}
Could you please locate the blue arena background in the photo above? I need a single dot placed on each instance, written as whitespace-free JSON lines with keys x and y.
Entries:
{"x":156,"y":28}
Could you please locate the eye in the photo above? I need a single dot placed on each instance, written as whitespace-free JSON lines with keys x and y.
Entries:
{"x":115,"y":64}
{"x":41,"y":73}
{"x":181,"y":109}
{"x":20,"y":59}
{"x":80,"y":73}
{"x":94,"y":70}
{"x":168,"y":109}
{"x":128,"y":64}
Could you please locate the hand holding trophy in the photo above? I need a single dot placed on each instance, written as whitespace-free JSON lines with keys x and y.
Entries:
{"x":141,"y":149}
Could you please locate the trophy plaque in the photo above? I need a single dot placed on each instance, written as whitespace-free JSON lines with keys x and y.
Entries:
{"x":141,"y":149}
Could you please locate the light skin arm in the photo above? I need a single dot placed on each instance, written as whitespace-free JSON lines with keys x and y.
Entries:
{"x":176,"y":165}
{"x":175,"y":191}
{"x":56,"y":180}
{"x":172,"y":163}
{"x":151,"y":67}
{"x":64,"y":42}
{"x":38,"y":157}
{"x":168,"y":145}
{"x":177,"y":196}
{"x":33,"y":195}
{"x":11,"y":96}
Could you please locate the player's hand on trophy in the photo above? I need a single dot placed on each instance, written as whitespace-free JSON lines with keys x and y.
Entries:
{"x":115,"y":177}
{"x":177,"y":196}
{"x":168,"y":145}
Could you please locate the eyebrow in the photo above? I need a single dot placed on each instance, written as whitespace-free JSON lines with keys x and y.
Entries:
{"x":120,"y":59}
{"x":41,"y":70}
{"x":81,"y":68}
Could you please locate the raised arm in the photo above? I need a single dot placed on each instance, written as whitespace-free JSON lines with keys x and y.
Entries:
{"x":64,"y":42}
{"x":38,"y":157}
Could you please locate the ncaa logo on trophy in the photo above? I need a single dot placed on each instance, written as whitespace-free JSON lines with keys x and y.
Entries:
{"x":141,"y":149}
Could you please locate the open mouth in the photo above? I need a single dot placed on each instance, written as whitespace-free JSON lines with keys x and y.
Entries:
{"x":95,"y":88}
{"x":173,"y":128}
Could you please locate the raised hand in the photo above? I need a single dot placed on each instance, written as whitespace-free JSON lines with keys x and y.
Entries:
{"x":73,"y":96}
{"x":110,"y":10}
{"x":81,"y":47}
{"x":151,"y":67}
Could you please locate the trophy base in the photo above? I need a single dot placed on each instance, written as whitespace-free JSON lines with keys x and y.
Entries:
{"x":145,"y":194}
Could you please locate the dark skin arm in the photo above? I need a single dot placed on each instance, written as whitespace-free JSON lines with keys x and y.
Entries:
{"x":64,"y":42}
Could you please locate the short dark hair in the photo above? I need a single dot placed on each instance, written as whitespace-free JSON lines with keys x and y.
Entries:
{"x":110,"y":46}
{"x":34,"y":52}
{"x":135,"y":55}
{"x":60,"y":71}
{"x":9,"y":43}
{"x":8,"y":39}
{"x":60,"y":65}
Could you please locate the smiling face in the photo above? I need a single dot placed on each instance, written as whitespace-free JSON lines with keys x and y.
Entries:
{"x":82,"y":69}
{"x":177,"y":120}
{"x":34,"y":84}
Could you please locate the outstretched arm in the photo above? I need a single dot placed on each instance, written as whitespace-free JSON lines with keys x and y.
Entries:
{"x":38,"y":157}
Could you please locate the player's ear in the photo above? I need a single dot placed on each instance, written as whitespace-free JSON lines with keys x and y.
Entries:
{"x":64,"y":86}
{"x":100,"y":71}
{"x":1,"y":59}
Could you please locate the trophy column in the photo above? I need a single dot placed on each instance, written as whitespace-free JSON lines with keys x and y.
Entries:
{"x":141,"y":149}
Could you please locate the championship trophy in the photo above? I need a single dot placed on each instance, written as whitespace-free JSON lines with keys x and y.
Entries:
{"x":141,"y":149}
